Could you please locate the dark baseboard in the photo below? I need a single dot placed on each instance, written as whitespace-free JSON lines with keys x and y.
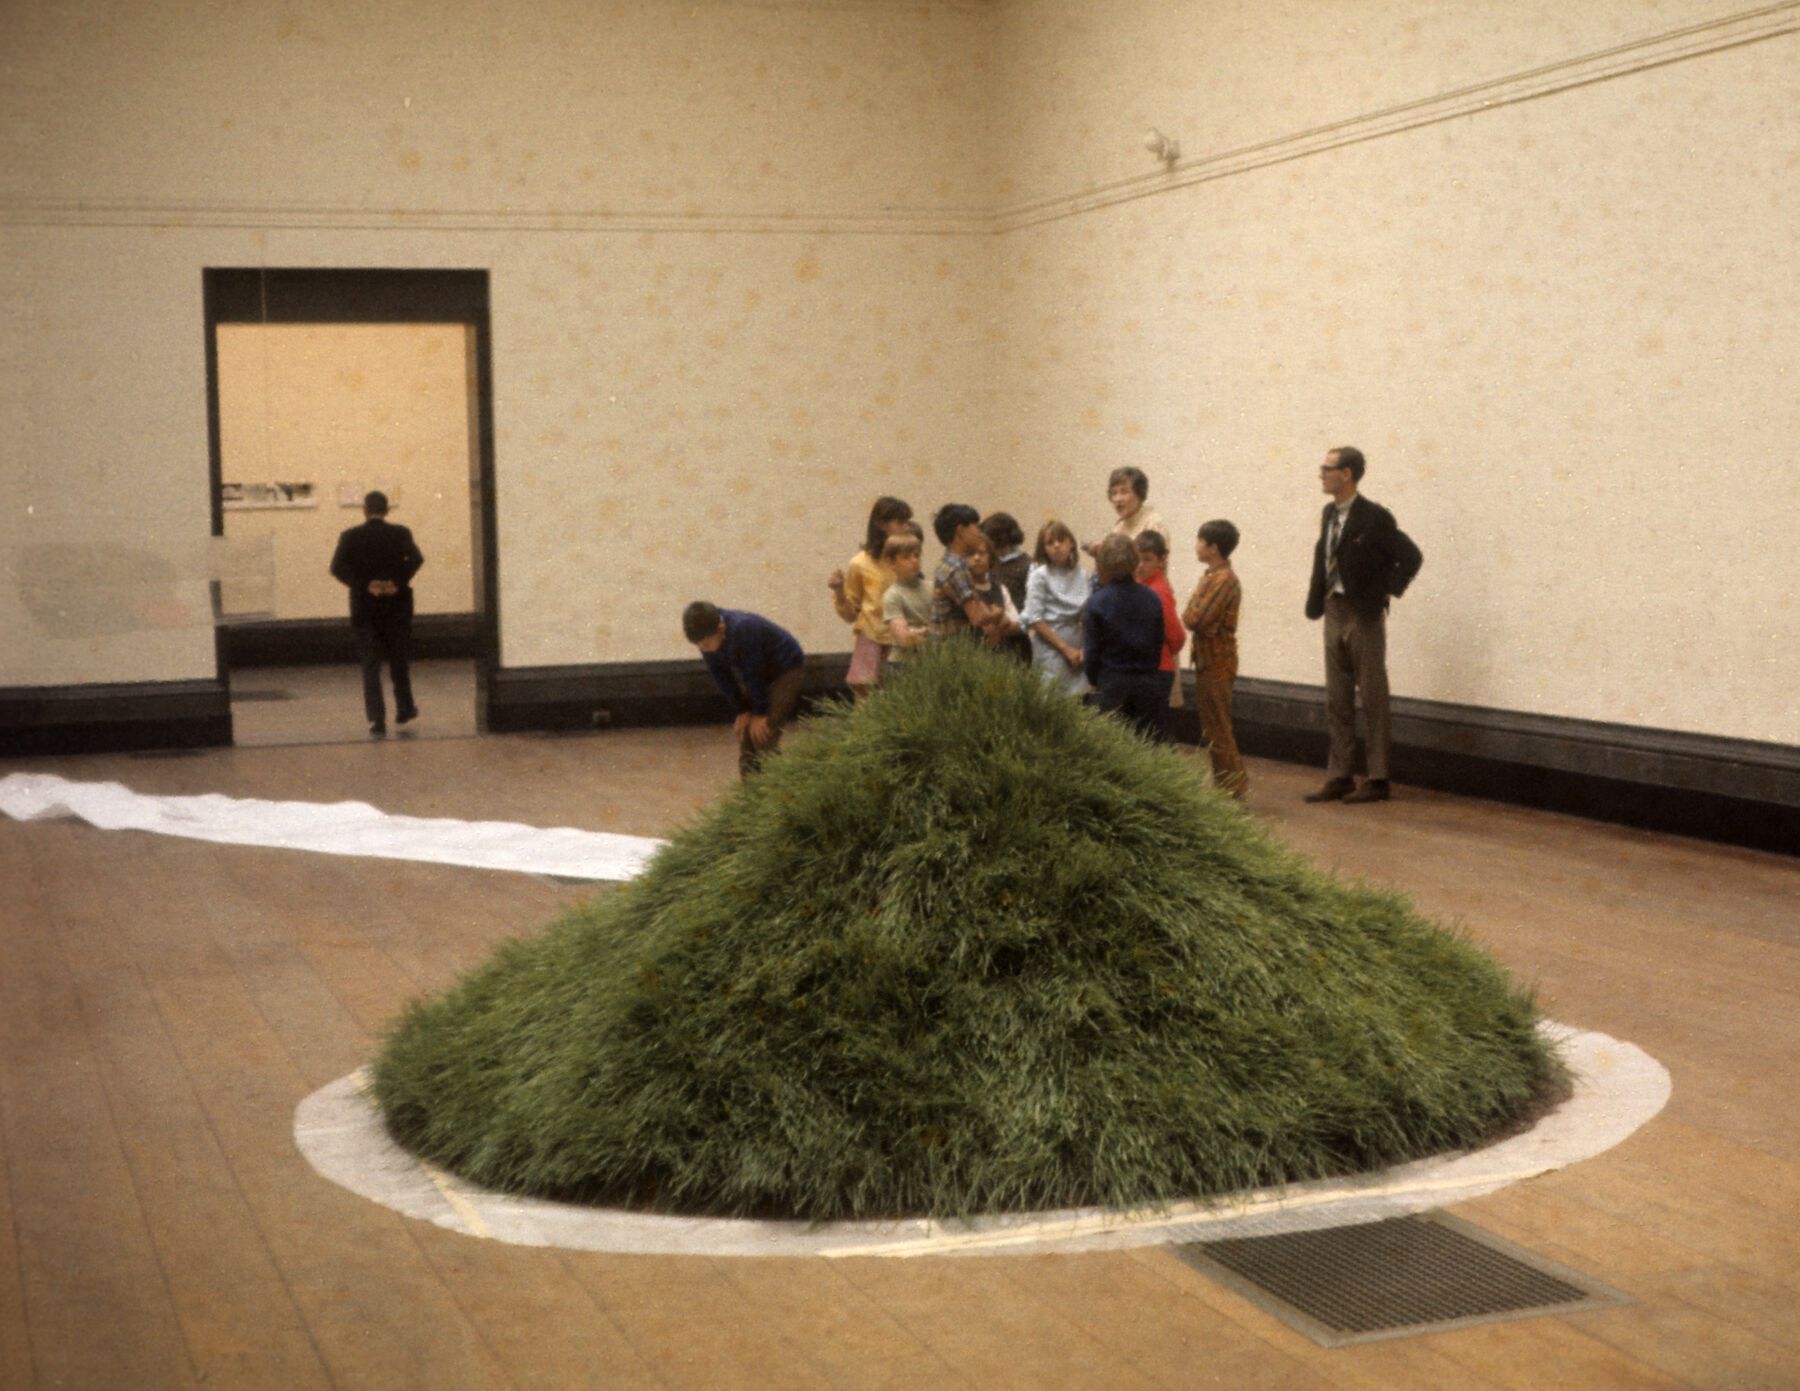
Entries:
{"x":296,"y":642}
{"x":114,"y":718}
{"x":624,"y":695}
{"x":1732,"y":790}
{"x":1738,"y":791}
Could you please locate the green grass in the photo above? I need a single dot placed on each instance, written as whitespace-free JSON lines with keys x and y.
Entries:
{"x":968,"y":948}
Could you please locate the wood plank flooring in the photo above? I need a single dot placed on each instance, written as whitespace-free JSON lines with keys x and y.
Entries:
{"x":323,"y":704}
{"x":164,"y":1005}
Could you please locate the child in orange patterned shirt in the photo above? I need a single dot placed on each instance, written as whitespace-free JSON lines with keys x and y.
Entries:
{"x":1212,"y":613}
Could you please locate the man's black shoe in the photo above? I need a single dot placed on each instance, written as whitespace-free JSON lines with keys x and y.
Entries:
{"x":1334,"y":791}
{"x":406,"y":716}
{"x":1374,"y":790}
{"x":378,"y":729}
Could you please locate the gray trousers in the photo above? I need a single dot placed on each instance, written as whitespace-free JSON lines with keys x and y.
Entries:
{"x":1355,"y":660}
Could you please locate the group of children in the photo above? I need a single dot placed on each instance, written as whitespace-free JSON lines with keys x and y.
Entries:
{"x":1115,"y":637}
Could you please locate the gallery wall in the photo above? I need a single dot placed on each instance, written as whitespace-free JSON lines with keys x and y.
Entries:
{"x":1541,"y":272}
{"x":104,"y":520}
{"x":733,"y":250}
{"x":752,"y":263}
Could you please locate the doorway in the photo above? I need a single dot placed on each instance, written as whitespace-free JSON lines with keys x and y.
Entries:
{"x":322,"y":386}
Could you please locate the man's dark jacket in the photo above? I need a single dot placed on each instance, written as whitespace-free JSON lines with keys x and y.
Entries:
{"x":377,"y":550}
{"x":1375,"y":558}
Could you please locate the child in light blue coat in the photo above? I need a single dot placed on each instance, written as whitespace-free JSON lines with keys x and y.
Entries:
{"x":1056,"y":593}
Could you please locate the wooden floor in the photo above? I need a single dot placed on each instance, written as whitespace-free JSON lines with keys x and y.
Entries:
{"x":164,"y":1004}
{"x":323,"y":704}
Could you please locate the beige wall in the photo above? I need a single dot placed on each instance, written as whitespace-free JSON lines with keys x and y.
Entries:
{"x":102,"y":460}
{"x":713,"y":419}
{"x":497,"y":112}
{"x":1563,"y":330}
{"x":1081,"y":80}
{"x":732,"y":249}
{"x":753,"y":263}
{"x":348,"y":408}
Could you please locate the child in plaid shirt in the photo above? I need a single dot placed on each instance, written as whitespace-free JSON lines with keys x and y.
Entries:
{"x":955,"y":607}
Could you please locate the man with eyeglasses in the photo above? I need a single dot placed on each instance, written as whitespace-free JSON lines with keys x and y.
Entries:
{"x":1362,"y":559}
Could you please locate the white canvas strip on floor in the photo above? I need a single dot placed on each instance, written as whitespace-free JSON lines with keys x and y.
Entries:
{"x":1618,"y":1088}
{"x":331,"y":828}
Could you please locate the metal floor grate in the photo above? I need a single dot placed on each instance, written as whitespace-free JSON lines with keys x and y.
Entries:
{"x":1392,"y":1279}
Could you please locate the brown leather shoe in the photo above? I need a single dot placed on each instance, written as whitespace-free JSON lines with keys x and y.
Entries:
{"x":1334,"y":791}
{"x":1374,"y":790}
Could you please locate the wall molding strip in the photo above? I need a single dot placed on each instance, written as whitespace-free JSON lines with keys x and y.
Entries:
{"x":852,"y":6}
{"x":96,"y":212}
{"x":1622,"y":60}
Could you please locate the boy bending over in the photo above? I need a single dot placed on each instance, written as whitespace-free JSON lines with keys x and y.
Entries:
{"x":759,"y":669}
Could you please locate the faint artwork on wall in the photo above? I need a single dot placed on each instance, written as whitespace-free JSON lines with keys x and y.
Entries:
{"x":122,"y":590}
{"x":245,"y":497}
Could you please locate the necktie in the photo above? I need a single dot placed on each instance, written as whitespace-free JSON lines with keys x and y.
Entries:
{"x":1331,"y":549}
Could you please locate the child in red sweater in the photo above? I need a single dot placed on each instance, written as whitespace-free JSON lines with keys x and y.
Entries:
{"x":1152,"y":572}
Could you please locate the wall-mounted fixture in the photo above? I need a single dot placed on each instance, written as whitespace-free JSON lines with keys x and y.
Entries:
{"x":1165,"y":149}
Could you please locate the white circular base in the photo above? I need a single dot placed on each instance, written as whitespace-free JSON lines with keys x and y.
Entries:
{"x":1618,"y":1088}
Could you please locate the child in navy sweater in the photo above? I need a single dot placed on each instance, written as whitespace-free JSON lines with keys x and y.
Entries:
{"x":759,"y":669}
{"x":1122,"y":646}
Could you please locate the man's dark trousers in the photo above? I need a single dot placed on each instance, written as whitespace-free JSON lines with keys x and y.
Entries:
{"x":390,"y":639}
{"x":379,"y":552}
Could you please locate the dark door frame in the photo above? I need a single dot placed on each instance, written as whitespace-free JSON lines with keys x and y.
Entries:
{"x":265,"y":295}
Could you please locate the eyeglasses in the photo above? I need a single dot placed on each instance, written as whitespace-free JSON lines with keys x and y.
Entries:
{"x":1332,"y":468}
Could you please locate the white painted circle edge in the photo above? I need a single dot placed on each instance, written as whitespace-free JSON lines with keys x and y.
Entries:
{"x":1617,"y":1089}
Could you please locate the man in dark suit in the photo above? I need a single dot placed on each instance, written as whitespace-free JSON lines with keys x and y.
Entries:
{"x":1362,"y":559}
{"x":377,"y":560}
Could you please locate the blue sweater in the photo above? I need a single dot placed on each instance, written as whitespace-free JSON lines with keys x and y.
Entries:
{"x":1124,"y":632}
{"x":754,"y":653}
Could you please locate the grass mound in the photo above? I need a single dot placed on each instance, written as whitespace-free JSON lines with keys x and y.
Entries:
{"x":967,"y":948}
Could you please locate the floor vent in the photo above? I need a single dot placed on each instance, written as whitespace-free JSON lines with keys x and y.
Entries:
{"x":1393,"y":1279}
{"x":241,"y":695}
